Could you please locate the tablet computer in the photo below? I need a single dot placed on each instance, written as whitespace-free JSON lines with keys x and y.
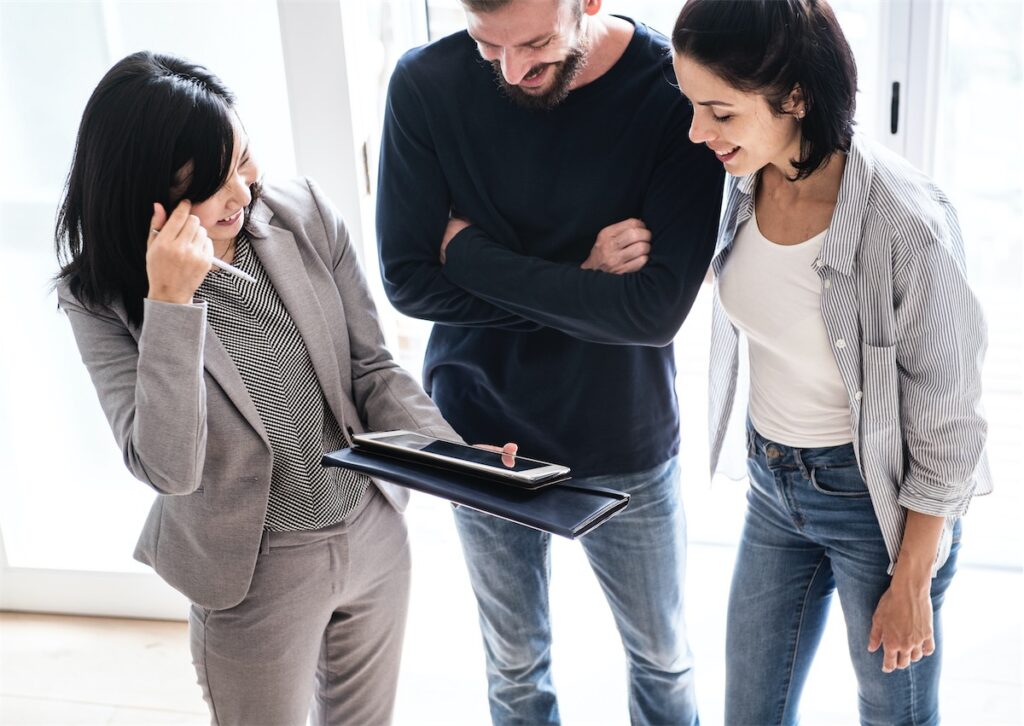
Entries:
{"x":517,"y":469}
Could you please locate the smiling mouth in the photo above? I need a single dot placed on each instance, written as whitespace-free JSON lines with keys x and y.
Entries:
{"x":229,"y":219}
{"x":727,"y":152}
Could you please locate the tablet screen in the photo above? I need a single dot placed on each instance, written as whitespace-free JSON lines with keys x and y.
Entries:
{"x":427,"y":445}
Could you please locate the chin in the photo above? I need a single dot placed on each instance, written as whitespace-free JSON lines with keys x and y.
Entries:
{"x":536,"y":92}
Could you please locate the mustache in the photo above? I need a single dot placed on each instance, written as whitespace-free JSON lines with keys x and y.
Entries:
{"x":564,"y":72}
{"x":496,"y":65}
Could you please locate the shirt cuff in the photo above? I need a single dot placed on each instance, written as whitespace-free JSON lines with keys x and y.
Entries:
{"x":936,"y":501}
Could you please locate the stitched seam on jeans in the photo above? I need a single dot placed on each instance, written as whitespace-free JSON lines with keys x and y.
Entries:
{"x":813,"y":479}
{"x":799,"y":630}
{"x":546,"y":567}
{"x":913,"y":694}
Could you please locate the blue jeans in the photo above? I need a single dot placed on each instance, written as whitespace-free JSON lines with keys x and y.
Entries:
{"x":810,"y":529}
{"x":639,"y":559}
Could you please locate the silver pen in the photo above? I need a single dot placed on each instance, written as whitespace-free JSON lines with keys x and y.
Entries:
{"x":221,"y":264}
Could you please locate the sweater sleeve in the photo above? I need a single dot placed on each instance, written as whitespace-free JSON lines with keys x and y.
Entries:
{"x":413,"y":208}
{"x":681,"y":208}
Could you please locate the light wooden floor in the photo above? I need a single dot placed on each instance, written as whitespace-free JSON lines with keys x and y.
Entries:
{"x":73,"y":670}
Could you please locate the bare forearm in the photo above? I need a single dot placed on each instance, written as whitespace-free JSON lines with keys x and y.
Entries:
{"x":917,"y":552}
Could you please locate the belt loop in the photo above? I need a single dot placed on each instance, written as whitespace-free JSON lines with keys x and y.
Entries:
{"x":751,"y":442}
{"x":797,"y":455}
{"x":265,"y":542}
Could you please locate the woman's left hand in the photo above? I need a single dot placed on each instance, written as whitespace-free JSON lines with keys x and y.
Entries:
{"x":902,"y":624}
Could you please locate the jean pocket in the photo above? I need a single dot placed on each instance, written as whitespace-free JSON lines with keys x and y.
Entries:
{"x":839,"y":481}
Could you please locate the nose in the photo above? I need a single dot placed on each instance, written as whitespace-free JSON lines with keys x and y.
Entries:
{"x":700,"y":131}
{"x":515,"y":65}
{"x":238,"y":185}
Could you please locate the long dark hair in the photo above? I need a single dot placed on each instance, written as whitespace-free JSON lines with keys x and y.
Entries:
{"x":771,"y":46}
{"x":150,"y":115}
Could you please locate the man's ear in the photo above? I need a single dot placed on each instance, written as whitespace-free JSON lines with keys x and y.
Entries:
{"x":591,"y":7}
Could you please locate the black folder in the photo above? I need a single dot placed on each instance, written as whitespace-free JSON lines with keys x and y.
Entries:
{"x":564,"y":509}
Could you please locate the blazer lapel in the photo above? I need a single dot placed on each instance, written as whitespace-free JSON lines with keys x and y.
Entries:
{"x":219,"y":365}
{"x":283,"y":262}
{"x":217,"y":362}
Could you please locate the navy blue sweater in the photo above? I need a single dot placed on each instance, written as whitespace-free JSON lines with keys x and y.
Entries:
{"x":577,"y":366}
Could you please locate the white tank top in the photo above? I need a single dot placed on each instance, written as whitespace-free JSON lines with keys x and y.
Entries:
{"x":772,"y":294}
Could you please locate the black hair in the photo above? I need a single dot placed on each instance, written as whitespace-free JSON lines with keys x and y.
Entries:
{"x":150,"y":117}
{"x":772,"y":46}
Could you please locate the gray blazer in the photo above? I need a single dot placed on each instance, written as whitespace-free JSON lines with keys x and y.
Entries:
{"x":185,"y":422}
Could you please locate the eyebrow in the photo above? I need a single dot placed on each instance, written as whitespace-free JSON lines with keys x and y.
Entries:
{"x":714,"y":103}
{"x":532,"y":41}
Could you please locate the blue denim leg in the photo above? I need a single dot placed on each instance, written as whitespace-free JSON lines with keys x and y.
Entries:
{"x":639,"y":559}
{"x":509,"y":568}
{"x":908,"y":696}
{"x":814,"y":500}
{"x":778,"y":604}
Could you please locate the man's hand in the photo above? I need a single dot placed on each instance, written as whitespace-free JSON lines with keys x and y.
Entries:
{"x":508,"y":452}
{"x":455,"y":225}
{"x":620,"y":248}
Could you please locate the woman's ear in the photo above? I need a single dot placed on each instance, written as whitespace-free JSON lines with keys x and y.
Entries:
{"x":795,"y":104}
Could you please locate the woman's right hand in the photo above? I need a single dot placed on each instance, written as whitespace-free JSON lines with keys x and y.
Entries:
{"x":178,"y":256}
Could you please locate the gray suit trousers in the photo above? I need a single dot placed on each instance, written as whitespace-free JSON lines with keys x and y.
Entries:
{"x":321,"y":625}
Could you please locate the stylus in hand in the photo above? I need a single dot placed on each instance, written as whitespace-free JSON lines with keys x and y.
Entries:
{"x":221,"y":264}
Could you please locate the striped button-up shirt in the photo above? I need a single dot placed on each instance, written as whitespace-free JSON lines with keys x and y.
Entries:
{"x":906,"y":331}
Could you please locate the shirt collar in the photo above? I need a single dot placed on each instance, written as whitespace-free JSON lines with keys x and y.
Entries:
{"x":258,"y":222}
{"x":839,"y":248}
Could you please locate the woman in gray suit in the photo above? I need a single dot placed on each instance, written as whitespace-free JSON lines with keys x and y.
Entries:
{"x":223,"y":394}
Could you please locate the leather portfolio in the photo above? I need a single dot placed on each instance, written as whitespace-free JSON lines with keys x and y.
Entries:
{"x":563,"y":509}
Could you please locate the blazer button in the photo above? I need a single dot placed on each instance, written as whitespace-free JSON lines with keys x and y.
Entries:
{"x":858,"y":395}
{"x":827,"y":283}
{"x":840,"y":343}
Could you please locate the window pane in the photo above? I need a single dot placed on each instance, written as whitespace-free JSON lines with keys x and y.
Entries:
{"x":67,"y":501}
{"x":979,"y":155}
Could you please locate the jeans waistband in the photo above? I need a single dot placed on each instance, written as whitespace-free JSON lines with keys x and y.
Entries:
{"x":778,"y":455}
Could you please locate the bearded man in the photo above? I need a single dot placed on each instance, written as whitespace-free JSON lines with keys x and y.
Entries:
{"x":539,"y":200}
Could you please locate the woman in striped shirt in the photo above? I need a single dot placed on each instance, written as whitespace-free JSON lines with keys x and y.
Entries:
{"x":843,"y":267}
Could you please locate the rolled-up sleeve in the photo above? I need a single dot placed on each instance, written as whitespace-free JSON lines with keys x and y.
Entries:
{"x":941,"y":341}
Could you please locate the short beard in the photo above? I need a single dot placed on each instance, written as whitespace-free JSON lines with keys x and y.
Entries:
{"x":566,"y":72}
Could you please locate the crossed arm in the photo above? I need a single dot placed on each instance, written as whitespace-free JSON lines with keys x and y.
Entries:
{"x":635,"y":287}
